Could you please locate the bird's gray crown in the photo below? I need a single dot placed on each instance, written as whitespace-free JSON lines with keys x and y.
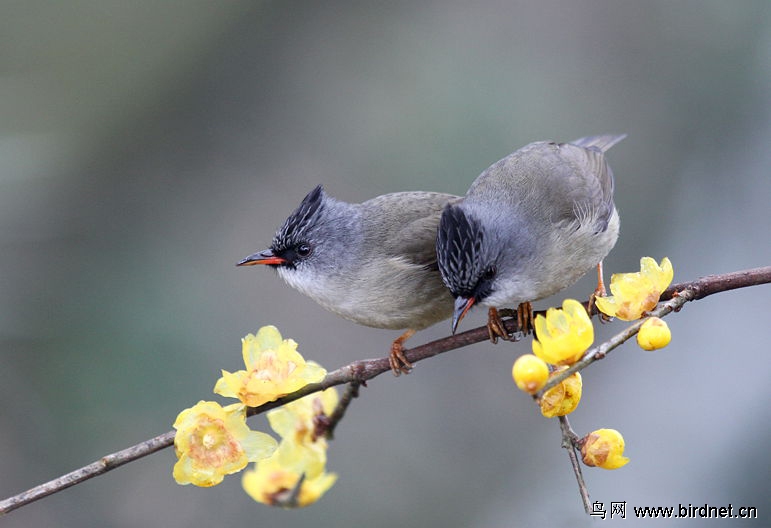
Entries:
{"x":296,"y":227}
{"x":462,"y":253}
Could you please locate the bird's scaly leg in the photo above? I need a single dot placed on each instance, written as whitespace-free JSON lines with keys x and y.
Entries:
{"x":598,"y":292}
{"x":525,"y":317}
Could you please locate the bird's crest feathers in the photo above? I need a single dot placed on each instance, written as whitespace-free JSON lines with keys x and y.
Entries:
{"x":298,"y":222}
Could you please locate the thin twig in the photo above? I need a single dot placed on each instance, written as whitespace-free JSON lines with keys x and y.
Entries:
{"x":569,"y":438}
{"x":363,"y":370}
{"x":351,"y":392}
{"x":323,"y":424}
{"x":293,"y":499}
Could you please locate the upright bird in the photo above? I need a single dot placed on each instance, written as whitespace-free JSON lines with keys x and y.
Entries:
{"x":529,"y":226}
{"x":373,"y":263}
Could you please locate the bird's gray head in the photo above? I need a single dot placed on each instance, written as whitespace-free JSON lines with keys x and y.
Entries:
{"x":293,"y":240}
{"x":467,"y":257}
{"x":297,"y":241}
{"x":314,"y":249}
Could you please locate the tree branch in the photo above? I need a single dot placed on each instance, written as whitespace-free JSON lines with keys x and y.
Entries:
{"x":360,"y":371}
{"x":569,"y":439}
{"x":351,"y":392}
{"x":101,"y":466}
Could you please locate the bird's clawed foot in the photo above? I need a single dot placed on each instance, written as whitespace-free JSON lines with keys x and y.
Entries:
{"x":397,"y":360}
{"x":495,"y":326}
{"x":496,"y":329}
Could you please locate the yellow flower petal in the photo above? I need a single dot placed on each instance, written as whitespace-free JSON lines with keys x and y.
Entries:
{"x":660,"y":275}
{"x":562,"y":399}
{"x":267,"y":338}
{"x":301,"y":414}
{"x":563,"y":335}
{"x":303,"y":446}
{"x":212,"y":441}
{"x":230,"y":383}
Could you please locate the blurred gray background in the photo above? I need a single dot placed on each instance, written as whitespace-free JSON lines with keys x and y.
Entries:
{"x":145,"y":147}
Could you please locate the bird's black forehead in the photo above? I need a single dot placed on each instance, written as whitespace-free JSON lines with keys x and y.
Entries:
{"x":460,"y":251}
{"x":296,"y":226}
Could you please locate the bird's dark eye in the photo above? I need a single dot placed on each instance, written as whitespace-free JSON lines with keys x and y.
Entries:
{"x":304,"y":250}
{"x":489,"y":273}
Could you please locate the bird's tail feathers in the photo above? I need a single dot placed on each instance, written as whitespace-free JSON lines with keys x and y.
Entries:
{"x":603,"y":142}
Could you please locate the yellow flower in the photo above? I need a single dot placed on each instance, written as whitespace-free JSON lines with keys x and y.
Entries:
{"x":563,"y":398}
{"x":274,"y":368}
{"x":636,"y":293}
{"x":297,"y":419}
{"x":564,"y":334}
{"x":604,"y":448}
{"x":654,"y":333}
{"x":301,"y":454}
{"x":301,"y":427}
{"x":212,"y":441}
{"x":530,"y":373}
{"x":272,"y":483}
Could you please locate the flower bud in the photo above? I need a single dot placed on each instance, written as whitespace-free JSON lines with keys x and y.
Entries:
{"x":530,"y":373}
{"x":654,"y":334}
{"x":604,"y":448}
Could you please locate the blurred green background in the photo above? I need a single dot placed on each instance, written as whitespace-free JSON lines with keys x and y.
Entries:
{"x":145,"y":147}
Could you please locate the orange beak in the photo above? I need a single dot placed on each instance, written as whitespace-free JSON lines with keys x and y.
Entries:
{"x":263,"y":257}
